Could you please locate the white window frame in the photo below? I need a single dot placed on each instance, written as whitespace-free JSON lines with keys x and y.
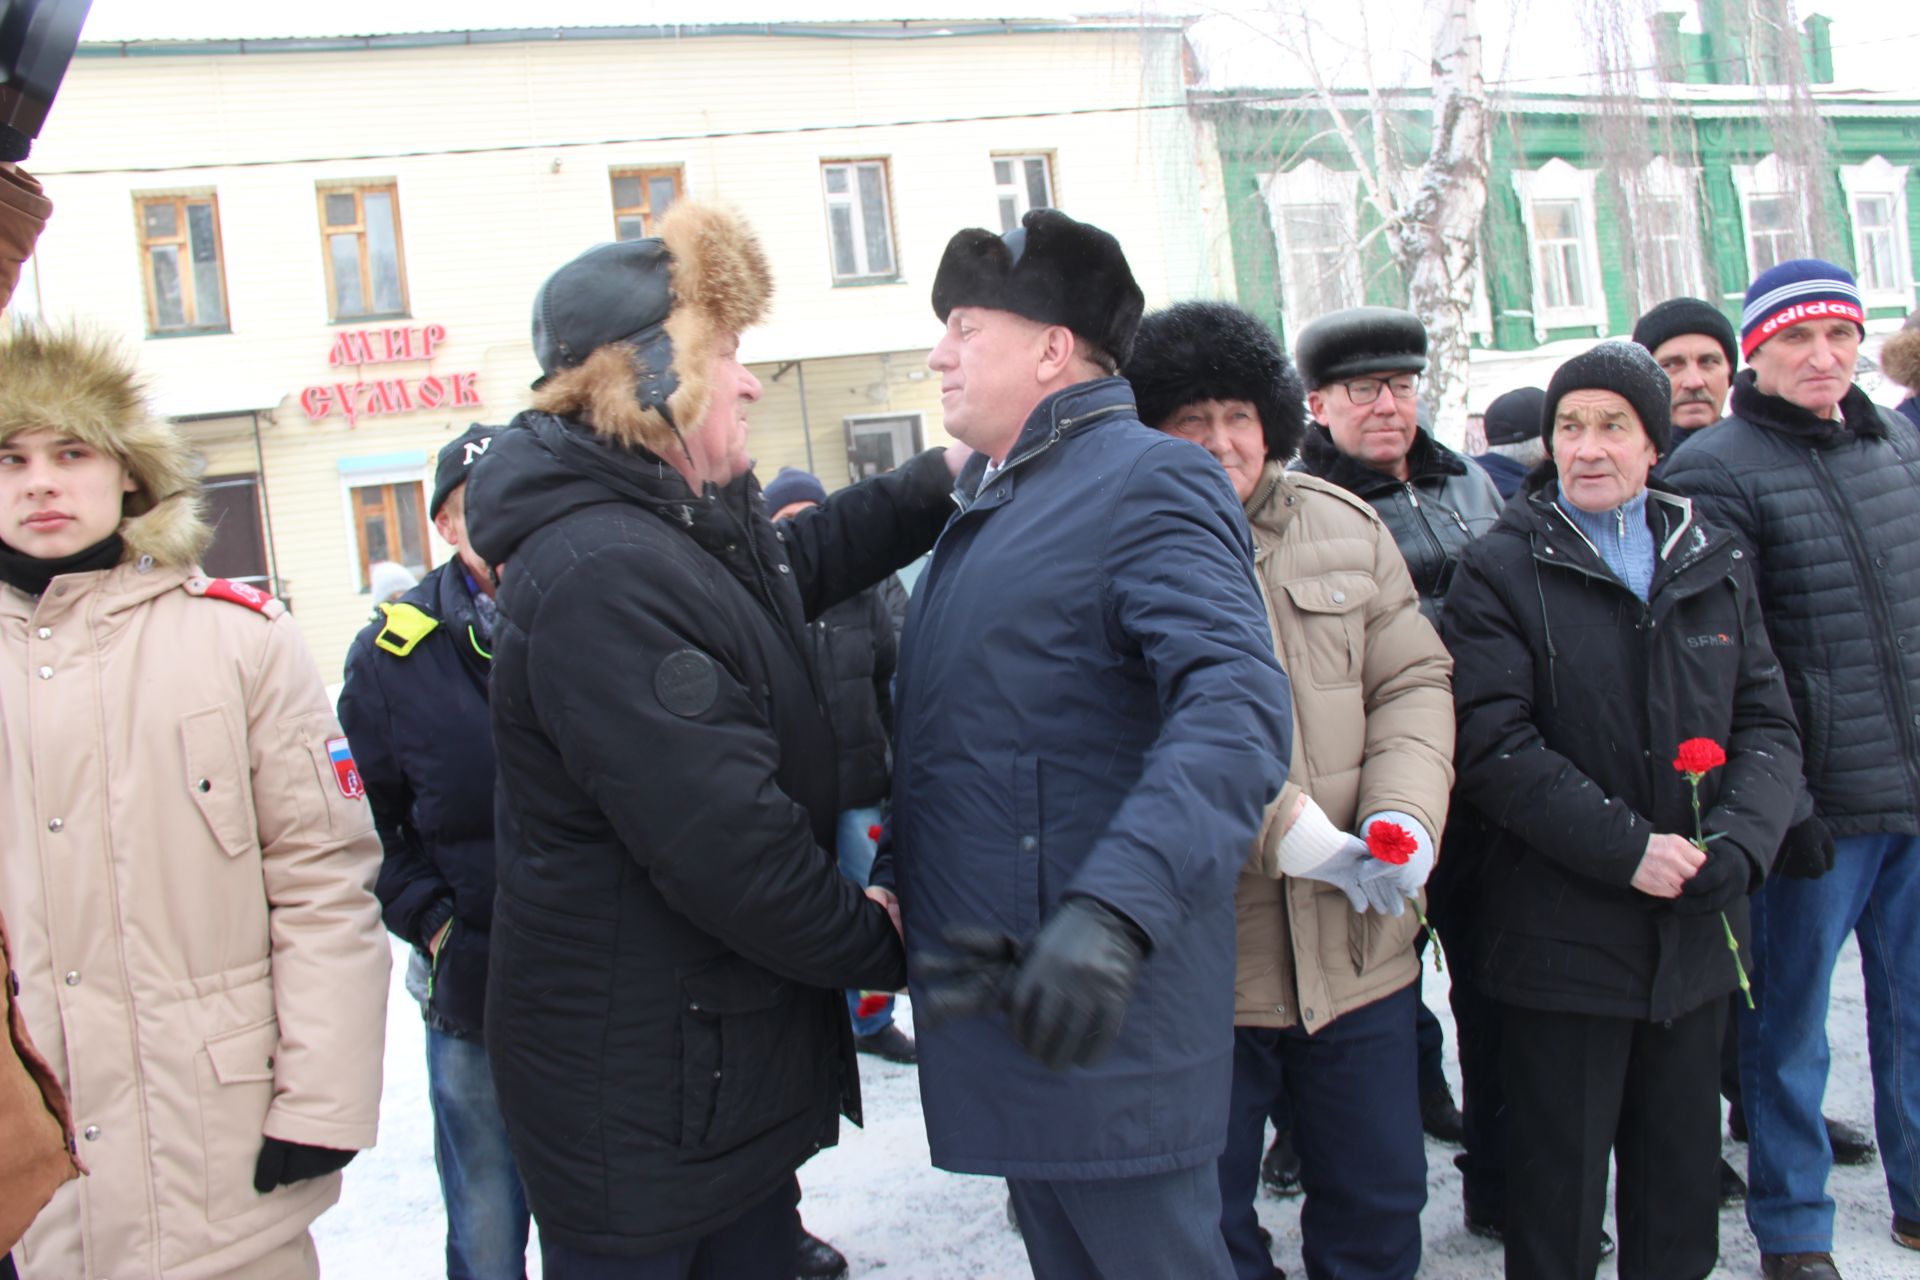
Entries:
{"x":850,"y":200}
{"x":1764,"y":180}
{"x":373,"y":472}
{"x":1556,"y":181}
{"x":1313,"y":183}
{"x":1879,"y":178}
{"x":1016,"y":190}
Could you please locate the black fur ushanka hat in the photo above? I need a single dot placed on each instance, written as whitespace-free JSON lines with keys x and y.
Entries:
{"x":1051,"y":269}
{"x":1216,"y":351}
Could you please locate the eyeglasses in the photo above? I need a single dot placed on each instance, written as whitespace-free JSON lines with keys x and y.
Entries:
{"x":1405,"y":386}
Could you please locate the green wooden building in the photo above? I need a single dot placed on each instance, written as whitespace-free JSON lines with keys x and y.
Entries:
{"x":1598,"y":205}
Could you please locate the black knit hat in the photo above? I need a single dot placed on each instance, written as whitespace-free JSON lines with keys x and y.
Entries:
{"x":1676,"y":316}
{"x":1359,"y":341}
{"x":456,"y":460}
{"x":1050,"y":269}
{"x":1628,"y":370}
{"x":1216,"y":351}
{"x":1514,"y":417}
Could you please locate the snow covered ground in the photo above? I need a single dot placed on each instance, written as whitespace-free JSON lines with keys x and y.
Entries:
{"x":893,"y":1215}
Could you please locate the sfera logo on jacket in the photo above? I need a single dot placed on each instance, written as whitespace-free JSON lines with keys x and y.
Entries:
{"x":1720,"y":640}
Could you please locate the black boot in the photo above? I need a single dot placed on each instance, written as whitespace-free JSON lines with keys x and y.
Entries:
{"x":1440,"y":1118}
{"x":1280,"y":1169}
{"x":1849,"y":1145}
{"x":1733,"y":1188}
{"x":818,"y":1260}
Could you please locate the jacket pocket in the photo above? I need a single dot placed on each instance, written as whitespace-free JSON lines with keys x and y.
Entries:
{"x":1332,"y":625}
{"x":1374,"y":939}
{"x":747,"y":1061}
{"x":235,"y":1075}
{"x":1815,"y":721}
{"x":217,"y":779}
{"x":1029,"y":846}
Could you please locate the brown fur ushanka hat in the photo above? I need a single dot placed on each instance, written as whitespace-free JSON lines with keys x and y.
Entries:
{"x":83,"y":385}
{"x":626,"y":332}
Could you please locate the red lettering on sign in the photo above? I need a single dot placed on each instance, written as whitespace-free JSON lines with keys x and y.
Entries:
{"x":317,"y":402}
{"x":350,"y":347}
{"x":390,"y":397}
{"x":430,"y":338}
{"x":433,"y":393}
{"x":348,"y":396}
{"x":466,"y":390}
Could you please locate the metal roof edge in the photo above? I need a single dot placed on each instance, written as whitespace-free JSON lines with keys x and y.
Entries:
{"x":931,"y":30}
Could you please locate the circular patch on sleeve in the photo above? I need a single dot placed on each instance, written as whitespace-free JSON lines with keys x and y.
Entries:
{"x":686,"y":682}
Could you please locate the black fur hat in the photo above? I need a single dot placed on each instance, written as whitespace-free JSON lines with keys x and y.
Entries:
{"x":1357,"y":341}
{"x":1216,"y":351}
{"x":1050,"y":269}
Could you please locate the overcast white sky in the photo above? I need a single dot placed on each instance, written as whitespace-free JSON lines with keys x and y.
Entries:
{"x":1529,"y":44}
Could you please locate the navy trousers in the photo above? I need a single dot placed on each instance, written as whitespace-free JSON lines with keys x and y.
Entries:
{"x":1352,"y":1091}
{"x":761,"y":1244}
{"x":1149,"y":1228}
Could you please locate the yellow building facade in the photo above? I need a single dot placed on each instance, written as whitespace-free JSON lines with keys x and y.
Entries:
{"x":324,"y":251}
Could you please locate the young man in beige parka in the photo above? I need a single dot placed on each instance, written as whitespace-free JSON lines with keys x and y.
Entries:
{"x":188,"y":858}
{"x":1327,"y":974}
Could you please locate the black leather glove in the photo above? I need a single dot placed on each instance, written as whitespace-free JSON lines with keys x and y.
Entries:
{"x":283,"y":1162}
{"x":1720,"y":882}
{"x":969,"y":978}
{"x":1070,"y":994}
{"x":1807,"y":852}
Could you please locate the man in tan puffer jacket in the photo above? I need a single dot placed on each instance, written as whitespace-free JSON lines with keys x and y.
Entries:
{"x":1327,"y":974}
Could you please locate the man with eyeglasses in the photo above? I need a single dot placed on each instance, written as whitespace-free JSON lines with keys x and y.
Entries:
{"x":1362,"y":368}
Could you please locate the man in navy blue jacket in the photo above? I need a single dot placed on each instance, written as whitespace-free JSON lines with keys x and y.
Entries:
{"x":415,"y":710}
{"x":1090,"y":722}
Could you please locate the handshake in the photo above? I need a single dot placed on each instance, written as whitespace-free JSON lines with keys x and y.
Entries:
{"x":1065,"y":993}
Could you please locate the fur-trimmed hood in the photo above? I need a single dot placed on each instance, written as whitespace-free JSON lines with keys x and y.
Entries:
{"x":1900,"y":358}
{"x":720,"y":284}
{"x":83,"y":384}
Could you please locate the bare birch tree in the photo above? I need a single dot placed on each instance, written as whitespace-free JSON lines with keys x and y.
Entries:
{"x":1429,"y":221}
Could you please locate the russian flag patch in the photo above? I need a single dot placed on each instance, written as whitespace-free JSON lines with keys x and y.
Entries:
{"x":345,"y":771}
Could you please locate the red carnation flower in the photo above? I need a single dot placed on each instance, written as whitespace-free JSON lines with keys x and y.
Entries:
{"x":871,"y":1003}
{"x":873,"y":832}
{"x":1699,"y":756}
{"x":1391,"y":842}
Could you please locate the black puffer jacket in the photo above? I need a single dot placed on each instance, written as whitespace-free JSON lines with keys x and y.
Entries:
{"x":419,"y":728}
{"x":1445,"y":502}
{"x":855,"y":649}
{"x":671,"y":935}
{"x":1832,"y":515}
{"x":1572,"y":697}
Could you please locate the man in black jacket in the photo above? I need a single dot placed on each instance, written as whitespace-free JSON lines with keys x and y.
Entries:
{"x":1819,"y":484}
{"x":1694,"y":346}
{"x":856,"y":649}
{"x":415,"y":710}
{"x":1362,"y":370}
{"x":671,"y":935}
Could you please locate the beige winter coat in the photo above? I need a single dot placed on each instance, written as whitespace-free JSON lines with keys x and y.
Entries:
{"x":186,"y":876}
{"x":189,"y":891}
{"x":1372,"y":730}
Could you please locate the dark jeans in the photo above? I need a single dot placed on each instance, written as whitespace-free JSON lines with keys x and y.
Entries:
{"x":1356,"y":1126}
{"x":486,"y":1205}
{"x":758,"y":1245}
{"x":1148,"y":1228}
{"x":1582,"y":1086}
{"x":1477,"y":1030}
{"x":1873,"y":892}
